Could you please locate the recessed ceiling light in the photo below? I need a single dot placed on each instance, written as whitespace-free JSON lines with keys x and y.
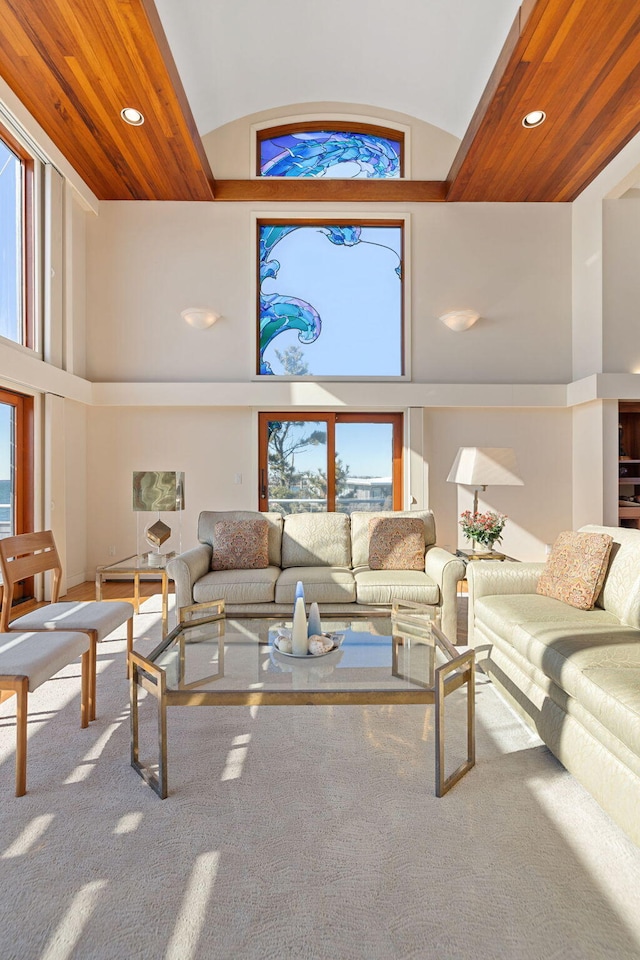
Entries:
{"x":534,"y":119}
{"x":132,"y":116}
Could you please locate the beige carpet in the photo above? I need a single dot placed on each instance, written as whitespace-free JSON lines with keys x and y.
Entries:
{"x":300,"y":833}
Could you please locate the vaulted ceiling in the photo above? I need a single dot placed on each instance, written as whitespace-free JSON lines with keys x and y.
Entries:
{"x":76,"y":63}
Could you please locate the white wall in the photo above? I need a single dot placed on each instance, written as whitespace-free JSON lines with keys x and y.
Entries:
{"x":538,"y":510}
{"x":621,"y":282}
{"x":147,"y":261}
{"x":210,"y":446}
{"x":77,"y":491}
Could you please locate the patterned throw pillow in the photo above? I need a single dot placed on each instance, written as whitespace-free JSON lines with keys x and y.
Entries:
{"x":396,"y":543}
{"x":576,"y":568}
{"x":240,"y":545}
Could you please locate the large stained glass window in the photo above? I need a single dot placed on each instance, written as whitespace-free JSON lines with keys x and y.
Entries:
{"x":330,"y":298}
{"x":366,"y":153}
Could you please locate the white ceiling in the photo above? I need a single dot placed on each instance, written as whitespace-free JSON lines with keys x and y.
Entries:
{"x":430,"y":59}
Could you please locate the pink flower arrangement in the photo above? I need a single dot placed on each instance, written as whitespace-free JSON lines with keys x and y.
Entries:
{"x":484,"y":528}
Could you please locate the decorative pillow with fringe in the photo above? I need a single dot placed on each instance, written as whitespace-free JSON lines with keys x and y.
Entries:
{"x":576,"y":568}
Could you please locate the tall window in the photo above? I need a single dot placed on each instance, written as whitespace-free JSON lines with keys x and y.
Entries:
{"x":16,"y":179}
{"x":330,"y":299}
{"x":320,"y":462}
{"x":16,"y":469}
{"x":345,"y":151}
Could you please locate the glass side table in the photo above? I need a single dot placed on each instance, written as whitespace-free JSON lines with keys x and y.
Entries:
{"x":136,"y":567}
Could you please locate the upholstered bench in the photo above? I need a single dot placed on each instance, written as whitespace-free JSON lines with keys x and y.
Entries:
{"x":26,"y":661}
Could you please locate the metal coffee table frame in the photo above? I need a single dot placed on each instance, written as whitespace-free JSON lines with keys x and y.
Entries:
{"x":458,"y":671}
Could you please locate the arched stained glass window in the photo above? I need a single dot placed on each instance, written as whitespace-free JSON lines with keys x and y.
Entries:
{"x":331,"y":150}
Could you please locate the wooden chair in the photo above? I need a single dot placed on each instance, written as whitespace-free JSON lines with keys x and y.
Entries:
{"x":31,"y":553}
{"x":26,"y":661}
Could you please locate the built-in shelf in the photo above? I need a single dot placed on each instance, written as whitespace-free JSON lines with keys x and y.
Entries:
{"x":629,"y":464}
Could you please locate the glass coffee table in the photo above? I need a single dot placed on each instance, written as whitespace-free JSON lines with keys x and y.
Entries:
{"x":218,"y":661}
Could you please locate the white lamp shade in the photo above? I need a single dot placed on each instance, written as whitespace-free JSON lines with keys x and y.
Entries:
{"x":459,"y":320}
{"x":199,"y":317}
{"x":485,"y":466}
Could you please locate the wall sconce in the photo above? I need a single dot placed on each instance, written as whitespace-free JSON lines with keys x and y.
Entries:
{"x":199,"y":317}
{"x":459,"y":320}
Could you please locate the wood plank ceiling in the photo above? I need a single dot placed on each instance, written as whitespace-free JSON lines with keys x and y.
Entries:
{"x":579,"y":61}
{"x":76,"y":63}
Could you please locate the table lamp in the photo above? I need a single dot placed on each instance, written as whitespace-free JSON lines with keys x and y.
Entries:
{"x":484,"y":467}
{"x":158,"y":491}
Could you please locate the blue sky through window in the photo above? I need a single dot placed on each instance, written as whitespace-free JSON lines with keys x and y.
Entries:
{"x":10,"y":245}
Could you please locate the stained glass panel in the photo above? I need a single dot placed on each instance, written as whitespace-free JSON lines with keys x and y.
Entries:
{"x":330,"y":153}
{"x":330,"y":300}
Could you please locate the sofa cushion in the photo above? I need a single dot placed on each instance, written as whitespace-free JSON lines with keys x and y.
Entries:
{"x":240,"y":544}
{"x":237,"y":586}
{"x":502,"y":613}
{"x":360,"y":531}
{"x":316,"y":540}
{"x":321,"y":585}
{"x":599,"y":667}
{"x":621,"y":591}
{"x":208,"y":519}
{"x":396,"y":543}
{"x":383,"y":586}
{"x":576,"y":568}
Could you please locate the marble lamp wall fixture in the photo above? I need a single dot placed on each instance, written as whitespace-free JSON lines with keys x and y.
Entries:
{"x":199,"y":317}
{"x":158,"y":491}
{"x":459,"y":320}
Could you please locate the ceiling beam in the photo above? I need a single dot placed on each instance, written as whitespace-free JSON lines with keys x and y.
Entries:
{"x":285,"y":189}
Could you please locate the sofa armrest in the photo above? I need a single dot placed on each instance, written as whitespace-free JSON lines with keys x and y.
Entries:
{"x":186,"y":569}
{"x":446,"y":570}
{"x":489,"y":579}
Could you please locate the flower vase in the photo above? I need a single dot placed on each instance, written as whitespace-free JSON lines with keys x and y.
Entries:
{"x":299,"y":637}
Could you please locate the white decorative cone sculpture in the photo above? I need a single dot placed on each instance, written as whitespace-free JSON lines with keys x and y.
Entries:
{"x":299,"y":637}
{"x":314,"y":626}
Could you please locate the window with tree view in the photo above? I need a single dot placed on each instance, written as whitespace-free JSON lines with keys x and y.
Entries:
{"x":330,"y":462}
{"x":334,"y":292}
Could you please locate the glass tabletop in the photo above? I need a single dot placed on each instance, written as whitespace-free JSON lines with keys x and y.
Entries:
{"x":398,"y":652}
{"x":138,"y":563}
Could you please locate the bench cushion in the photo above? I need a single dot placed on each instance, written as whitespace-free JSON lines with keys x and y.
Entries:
{"x":103,"y":616}
{"x":39,"y":656}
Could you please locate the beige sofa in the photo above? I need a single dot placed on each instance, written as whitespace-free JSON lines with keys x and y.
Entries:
{"x":329,"y":553}
{"x":573,"y":675}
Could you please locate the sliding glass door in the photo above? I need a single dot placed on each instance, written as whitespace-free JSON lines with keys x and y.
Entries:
{"x":330,"y":462}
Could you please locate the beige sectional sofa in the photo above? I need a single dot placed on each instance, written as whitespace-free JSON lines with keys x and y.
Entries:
{"x":573,"y":675}
{"x":329,"y":553}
